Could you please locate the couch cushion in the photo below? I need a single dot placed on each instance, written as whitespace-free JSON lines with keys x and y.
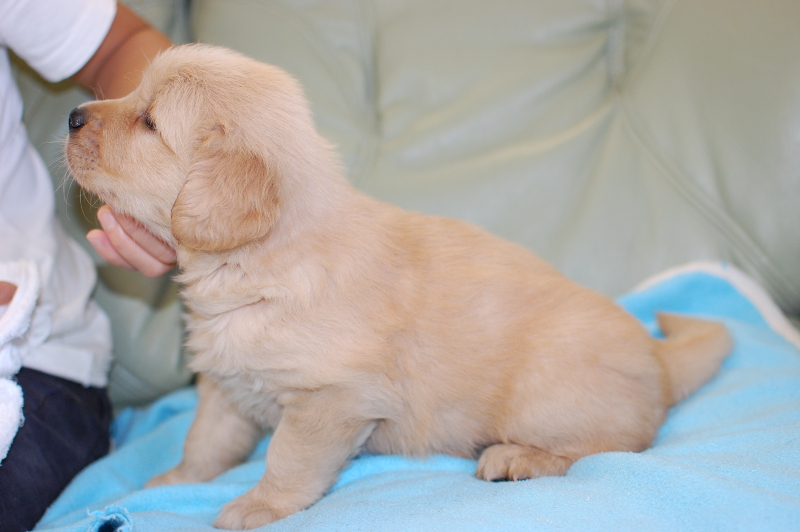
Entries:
{"x":614,"y":138}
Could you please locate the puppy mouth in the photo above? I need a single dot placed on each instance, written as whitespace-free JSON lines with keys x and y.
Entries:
{"x":82,"y":148}
{"x":81,"y":162}
{"x":85,"y":169}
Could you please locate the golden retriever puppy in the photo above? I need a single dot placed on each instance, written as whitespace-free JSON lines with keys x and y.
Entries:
{"x":349,"y":325}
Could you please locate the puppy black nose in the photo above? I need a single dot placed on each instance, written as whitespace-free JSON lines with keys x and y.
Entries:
{"x":77,"y":119}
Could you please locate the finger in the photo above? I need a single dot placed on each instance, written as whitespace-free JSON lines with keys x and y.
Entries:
{"x":139,"y":258}
{"x":99,"y":241}
{"x":7,"y":291}
{"x":153,"y":245}
{"x":146,"y":240}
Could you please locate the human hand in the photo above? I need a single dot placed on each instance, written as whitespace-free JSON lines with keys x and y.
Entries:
{"x":125,"y":243}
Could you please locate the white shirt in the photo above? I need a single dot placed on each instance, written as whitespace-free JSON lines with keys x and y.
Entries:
{"x":69,"y":336}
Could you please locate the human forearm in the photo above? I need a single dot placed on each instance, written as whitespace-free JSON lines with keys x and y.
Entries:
{"x":116,"y":68}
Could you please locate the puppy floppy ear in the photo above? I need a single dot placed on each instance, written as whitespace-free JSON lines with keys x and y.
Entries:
{"x":230,"y":197}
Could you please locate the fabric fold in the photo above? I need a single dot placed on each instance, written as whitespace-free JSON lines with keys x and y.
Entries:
{"x":16,"y":337}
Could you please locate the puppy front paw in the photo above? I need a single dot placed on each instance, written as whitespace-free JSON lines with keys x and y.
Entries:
{"x":246,"y":512}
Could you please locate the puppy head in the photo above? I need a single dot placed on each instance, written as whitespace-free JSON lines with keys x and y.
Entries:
{"x":198,"y":152}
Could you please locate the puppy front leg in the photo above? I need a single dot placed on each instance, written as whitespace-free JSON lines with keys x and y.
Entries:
{"x":318,"y":432}
{"x":219,"y":439}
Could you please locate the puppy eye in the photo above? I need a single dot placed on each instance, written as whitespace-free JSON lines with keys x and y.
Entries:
{"x":147,"y":120}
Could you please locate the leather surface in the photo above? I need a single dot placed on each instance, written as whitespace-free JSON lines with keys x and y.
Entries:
{"x":614,"y":138}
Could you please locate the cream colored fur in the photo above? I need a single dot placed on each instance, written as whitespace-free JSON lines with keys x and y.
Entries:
{"x":349,"y":325}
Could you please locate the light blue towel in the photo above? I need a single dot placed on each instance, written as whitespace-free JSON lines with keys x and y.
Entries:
{"x":728,"y":457}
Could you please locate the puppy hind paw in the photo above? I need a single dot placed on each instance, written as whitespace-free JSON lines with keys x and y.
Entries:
{"x":508,"y":461}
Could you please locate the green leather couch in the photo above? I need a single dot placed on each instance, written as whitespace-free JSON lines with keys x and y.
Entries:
{"x":615,"y":138}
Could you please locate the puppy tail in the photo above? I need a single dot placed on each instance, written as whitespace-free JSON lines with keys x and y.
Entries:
{"x":691,"y":353}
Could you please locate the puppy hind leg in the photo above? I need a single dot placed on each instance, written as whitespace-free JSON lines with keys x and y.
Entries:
{"x":509,"y":461}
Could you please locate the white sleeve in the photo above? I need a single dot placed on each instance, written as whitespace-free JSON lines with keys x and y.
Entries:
{"x":55,"y":37}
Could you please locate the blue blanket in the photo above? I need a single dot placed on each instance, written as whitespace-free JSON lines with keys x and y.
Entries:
{"x":728,"y":457}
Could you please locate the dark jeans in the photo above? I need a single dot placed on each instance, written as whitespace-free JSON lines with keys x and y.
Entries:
{"x":66,"y":428}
